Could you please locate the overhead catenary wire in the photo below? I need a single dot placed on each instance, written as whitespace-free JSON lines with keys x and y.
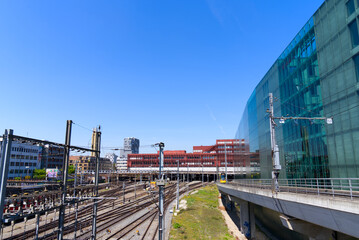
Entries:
{"x":86,"y":128}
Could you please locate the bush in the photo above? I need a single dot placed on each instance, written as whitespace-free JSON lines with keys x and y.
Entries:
{"x":176,"y":225}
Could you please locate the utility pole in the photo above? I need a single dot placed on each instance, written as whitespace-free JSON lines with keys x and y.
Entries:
{"x":135,"y":184}
{"x":123,"y":192}
{"x":161,"y":184}
{"x":60,"y":233}
{"x":225,"y":159}
{"x":275,"y":150}
{"x":202,"y":174}
{"x":187,"y":174}
{"x":97,"y":134}
{"x":178,"y":180}
{"x":77,"y":201}
{"x":4,"y":169}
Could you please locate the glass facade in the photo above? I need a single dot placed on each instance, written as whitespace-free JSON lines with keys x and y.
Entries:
{"x":315,"y":76}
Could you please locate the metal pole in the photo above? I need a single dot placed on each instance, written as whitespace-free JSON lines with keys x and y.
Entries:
{"x":64,"y":179}
{"x":161,"y":194}
{"x":274,"y":146}
{"x":4,"y":169}
{"x":37,"y":226}
{"x":123,"y":191}
{"x":135,"y":186}
{"x":177,"y":193}
{"x":77,"y":201}
{"x":225,"y":159}
{"x":97,"y":154}
{"x":202,"y":174}
{"x":187,"y":173}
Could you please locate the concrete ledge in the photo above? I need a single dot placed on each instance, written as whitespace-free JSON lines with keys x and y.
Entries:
{"x":338,"y":214}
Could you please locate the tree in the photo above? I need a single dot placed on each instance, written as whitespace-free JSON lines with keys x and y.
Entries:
{"x":39,"y":174}
{"x":71,"y":169}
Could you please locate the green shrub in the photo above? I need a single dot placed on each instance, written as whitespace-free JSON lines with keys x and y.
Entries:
{"x":176,"y":225}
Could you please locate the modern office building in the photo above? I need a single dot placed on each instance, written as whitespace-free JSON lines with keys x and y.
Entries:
{"x":317,"y":75}
{"x":24,"y":159}
{"x":52,"y":156}
{"x":131,"y":145}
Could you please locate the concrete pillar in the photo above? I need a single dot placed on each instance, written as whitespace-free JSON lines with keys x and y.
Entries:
{"x":247,"y":221}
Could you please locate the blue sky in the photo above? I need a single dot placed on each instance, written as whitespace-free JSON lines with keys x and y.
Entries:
{"x":173,"y":71}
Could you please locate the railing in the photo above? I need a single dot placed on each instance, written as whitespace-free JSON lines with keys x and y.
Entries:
{"x":334,"y":187}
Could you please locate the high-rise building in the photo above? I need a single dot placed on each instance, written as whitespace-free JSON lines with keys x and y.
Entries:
{"x":131,"y":145}
{"x":317,"y":75}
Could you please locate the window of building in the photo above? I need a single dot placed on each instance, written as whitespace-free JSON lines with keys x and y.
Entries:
{"x":356,"y":65}
{"x":353,"y":27}
{"x":350,"y":7}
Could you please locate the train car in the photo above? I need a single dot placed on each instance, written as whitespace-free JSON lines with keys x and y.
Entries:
{"x":222,"y":178}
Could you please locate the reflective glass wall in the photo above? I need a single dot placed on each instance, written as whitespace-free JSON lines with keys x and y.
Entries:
{"x":317,"y":75}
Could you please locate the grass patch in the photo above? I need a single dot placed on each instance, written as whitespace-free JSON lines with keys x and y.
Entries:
{"x":201,"y":219}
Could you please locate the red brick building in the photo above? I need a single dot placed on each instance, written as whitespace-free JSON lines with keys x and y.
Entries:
{"x":210,"y":157}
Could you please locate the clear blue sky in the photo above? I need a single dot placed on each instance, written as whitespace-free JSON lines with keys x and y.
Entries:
{"x":177,"y":71}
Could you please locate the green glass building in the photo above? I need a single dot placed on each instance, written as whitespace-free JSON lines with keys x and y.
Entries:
{"x":317,"y":75}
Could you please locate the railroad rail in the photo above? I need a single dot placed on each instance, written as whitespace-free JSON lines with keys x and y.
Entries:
{"x":140,"y":207}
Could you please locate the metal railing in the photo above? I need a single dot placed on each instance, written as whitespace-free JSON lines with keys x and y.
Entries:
{"x":334,"y":187}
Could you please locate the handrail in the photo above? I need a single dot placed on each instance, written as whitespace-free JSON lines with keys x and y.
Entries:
{"x":334,"y":187}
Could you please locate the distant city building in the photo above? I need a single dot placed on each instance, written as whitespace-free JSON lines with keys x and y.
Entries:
{"x":212,"y":158}
{"x":88,"y":163}
{"x":24,"y":159}
{"x":113,"y":157}
{"x":130,"y":146}
{"x":52,"y":156}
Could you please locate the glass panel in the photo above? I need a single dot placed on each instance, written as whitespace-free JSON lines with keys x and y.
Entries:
{"x":353,"y":27}
{"x":350,"y":7}
{"x":356,"y":64}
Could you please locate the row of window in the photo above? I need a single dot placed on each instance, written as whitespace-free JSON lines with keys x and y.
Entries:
{"x":29,"y":171}
{"x":21,"y":149}
{"x":13,"y":156}
{"x":22,"y":164}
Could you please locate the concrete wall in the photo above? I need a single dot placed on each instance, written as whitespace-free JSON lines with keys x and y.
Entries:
{"x":338,"y":214}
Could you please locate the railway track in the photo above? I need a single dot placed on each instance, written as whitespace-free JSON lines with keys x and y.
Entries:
{"x":148,"y":219}
{"x":84,"y":212}
{"x":115,"y":220}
